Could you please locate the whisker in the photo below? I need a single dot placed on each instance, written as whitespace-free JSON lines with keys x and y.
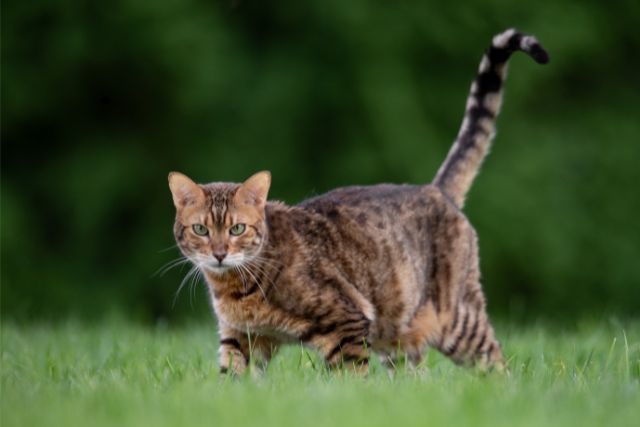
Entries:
{"x":264,"y":271}
{"x":264,"y":295}
{"x":184,"y":281}
{"x":169,"y":265}
{"x":168,"y":248}
{"x":267,"y":261}
{"x":242,"y":278}
{"x":195,"y":279}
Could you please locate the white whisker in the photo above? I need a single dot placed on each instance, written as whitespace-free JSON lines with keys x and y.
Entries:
{"x":168,"y":248}
{"x":192,"y":271}
{"x":168,"y":266}
{"x":242,"y":278}
{"x":264,"y":270}
{"x":264,"y":295}
{"x":195,"y":278}
{"x":267,"y":261}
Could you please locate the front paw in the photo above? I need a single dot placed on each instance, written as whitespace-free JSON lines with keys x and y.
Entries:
{"x":233,"y":363}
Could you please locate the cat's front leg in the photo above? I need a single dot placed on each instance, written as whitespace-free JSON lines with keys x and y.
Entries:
{"x":238,"y":350}
{"x":234,"y":351}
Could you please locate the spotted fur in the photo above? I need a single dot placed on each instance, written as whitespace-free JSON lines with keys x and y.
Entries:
{"x":358,"y":270}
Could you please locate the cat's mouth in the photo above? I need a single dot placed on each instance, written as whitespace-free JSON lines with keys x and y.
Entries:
{"x":217,"y":268}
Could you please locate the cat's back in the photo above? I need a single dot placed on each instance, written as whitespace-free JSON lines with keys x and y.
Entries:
{"x":362,"y":196}
{"x":393,"y":202}
{"x":402,"y":219}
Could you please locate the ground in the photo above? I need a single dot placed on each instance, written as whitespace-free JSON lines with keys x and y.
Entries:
{"x":117,"y":373}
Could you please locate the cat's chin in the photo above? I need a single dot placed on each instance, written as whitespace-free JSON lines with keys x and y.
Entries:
{"x":218,"y":270}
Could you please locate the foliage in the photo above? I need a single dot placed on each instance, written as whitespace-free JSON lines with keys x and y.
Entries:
{"x":101,"y":101}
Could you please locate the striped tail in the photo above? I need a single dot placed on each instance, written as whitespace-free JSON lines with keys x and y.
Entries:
{"x":483,"y":105}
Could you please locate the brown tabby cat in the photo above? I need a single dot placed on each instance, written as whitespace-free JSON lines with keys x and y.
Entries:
{"x":359,"y":269}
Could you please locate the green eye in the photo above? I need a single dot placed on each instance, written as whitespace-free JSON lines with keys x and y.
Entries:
{"x":200,"y":229}
{"x":237,"y":229}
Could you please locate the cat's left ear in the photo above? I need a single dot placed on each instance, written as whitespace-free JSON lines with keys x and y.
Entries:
{"x":254,"y":191}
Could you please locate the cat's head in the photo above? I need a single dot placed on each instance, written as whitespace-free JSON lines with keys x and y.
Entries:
{"x":220,"y":225}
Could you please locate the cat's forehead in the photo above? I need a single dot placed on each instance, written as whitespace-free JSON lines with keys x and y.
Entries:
{"x":223,"y":209}
{"x":219,"y":197}
{"x":220,"y":194}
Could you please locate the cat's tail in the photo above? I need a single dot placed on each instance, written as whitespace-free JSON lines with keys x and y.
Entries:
{"x":483,"y":105}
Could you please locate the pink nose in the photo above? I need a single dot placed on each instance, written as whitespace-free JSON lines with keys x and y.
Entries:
{"x":219,"y":256}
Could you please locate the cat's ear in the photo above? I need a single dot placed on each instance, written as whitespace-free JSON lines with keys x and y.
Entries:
{"x":185,"y":192}
{"x":254,"y":190}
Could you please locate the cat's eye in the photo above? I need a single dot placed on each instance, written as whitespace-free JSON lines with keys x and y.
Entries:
{"x":200,"y":229}
{"x":237,"y":229}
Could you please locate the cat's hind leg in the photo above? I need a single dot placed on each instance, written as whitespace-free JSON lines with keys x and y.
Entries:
{"x":423,"y":329}
{"x":468,"y":337}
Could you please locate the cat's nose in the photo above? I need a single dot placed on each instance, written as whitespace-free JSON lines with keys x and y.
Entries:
{"x":219,"y":256}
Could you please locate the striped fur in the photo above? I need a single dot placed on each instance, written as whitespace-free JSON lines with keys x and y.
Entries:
{"x":384,"y":269}
{"x":483,"y":105}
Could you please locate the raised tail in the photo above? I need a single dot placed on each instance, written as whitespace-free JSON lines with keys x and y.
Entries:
{"x":465,"y":157}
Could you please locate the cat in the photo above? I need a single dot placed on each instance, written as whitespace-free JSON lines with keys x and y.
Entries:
{"x":385,"y":269}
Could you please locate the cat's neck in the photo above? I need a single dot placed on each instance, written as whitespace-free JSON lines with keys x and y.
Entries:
{"x":222,"y":284}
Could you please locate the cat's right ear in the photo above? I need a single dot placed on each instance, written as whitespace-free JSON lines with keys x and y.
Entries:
{"x":254,"y":190}
{"x":185,"y":192}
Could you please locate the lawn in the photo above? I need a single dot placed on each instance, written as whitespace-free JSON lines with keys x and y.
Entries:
{"x":116,"y":373}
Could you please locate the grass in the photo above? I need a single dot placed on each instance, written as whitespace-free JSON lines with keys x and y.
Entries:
{"x":117,"y":373}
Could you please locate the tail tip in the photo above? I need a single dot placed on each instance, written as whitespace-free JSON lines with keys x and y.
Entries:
{"x":512,"y":40}
{"x":538,"y":53}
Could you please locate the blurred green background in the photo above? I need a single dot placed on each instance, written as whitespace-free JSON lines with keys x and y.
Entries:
{"x":101,"y":100}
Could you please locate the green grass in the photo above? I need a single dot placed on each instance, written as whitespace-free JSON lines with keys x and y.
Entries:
{"x":121,"y":374}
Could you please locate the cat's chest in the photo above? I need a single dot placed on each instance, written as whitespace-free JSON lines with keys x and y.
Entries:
{"x":256,"y":315}
{"x":243,"y":314}
{"x":254,"y":312}
{"x":234,"y":306}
